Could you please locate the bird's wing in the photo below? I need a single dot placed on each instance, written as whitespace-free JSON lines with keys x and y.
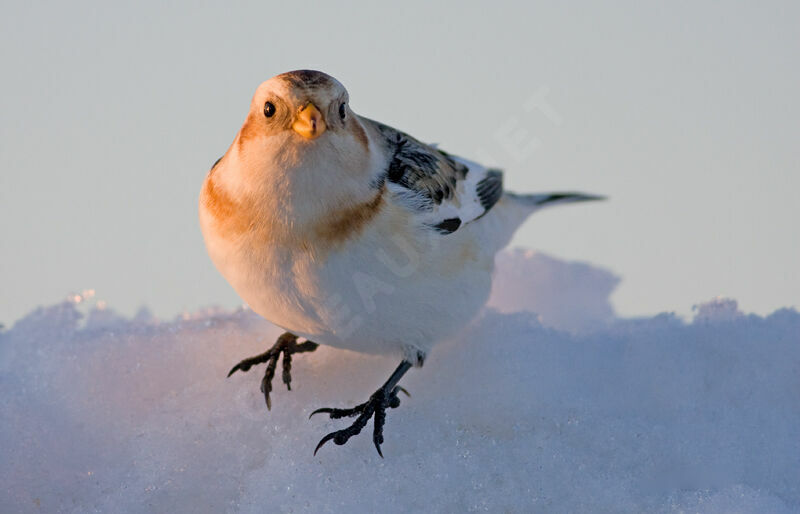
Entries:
{"x":443,"y":191}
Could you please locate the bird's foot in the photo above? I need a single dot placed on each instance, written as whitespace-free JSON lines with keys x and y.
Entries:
{"x":286,"y":345}
{"x":382,"y":399}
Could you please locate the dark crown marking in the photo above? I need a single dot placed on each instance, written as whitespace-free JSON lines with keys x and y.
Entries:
{"x":307,"y":78}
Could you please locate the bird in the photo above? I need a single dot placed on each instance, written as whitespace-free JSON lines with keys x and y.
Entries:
{"x":346,"y":232}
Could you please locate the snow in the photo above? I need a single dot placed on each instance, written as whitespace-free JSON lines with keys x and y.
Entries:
{"x":567,"y":410}
{"x":569,"y":296}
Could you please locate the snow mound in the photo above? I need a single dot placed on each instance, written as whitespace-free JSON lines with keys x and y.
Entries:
{"x":717,"y":310}
{"x":102,"y":413}
{"x":570,"y":296}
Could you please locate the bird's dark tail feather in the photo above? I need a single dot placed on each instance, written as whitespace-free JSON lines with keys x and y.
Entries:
{"x":514,"y":209}
{"x":540,"y":200}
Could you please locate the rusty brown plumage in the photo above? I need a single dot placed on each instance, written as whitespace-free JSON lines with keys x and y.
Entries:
{"x":252,"y":128}
{"x":348,"y":222}
{"x":228,"y":214}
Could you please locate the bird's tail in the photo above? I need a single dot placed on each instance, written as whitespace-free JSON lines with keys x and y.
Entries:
{"x":540,"y":200}
{"x":513,"y":209}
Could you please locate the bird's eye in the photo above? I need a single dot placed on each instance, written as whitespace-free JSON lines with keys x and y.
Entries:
{"x":342,"y":111}
{"x":269,"y":109}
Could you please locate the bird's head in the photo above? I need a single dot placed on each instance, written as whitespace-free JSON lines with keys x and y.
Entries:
{"x":302,"y":119}
{"x":301,"y":152}
{"x":307,"y":103}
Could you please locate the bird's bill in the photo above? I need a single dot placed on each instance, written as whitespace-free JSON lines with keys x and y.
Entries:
{"x":309,"y":122}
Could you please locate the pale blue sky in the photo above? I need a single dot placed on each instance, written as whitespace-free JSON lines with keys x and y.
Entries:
{"x":686,"y":114}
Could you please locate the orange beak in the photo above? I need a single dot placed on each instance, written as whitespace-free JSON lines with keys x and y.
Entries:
{"x":309,"y":123}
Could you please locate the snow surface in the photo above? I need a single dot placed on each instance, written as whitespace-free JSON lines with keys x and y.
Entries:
{"x":518,"y":414}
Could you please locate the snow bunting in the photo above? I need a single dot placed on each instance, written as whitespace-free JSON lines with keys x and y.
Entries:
{"x":346,"y":232}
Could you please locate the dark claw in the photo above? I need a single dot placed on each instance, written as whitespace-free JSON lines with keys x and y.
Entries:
{"x":318,"y":411}
{"x":382,"y":399}
{"x":266,"y":382}
{"x":340,"y":437}
{"x":374,"y":408}
{"x":248,"y":363}
{"x":287,"y":370}
{"x":324,"y":440}
{"x":377,"y":431}
{"x":286,"y":345}
{"x":341,"y":413}
{"x":394,"y":400}
{"x":266,"y":388}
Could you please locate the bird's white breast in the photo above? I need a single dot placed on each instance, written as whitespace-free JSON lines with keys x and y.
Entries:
{"x":389,"y":289}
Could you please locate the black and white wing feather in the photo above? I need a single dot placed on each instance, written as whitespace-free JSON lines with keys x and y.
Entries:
{"x":445,"y":192}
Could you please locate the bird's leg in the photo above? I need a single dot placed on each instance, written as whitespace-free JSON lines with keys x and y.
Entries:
{"x":287,"y":345}
{"x":383,"y":398}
